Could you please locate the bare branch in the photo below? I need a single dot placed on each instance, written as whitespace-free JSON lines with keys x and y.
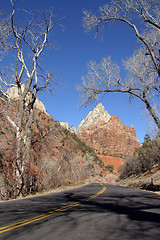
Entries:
{"x":105,"y":78}
{"x":143,"y":67}
{"x":121,"y":11}
{"x":27,"y":41}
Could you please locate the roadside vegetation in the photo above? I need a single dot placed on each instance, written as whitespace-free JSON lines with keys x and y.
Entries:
{"x":58,"y":157}
{"x":37,"y":155}
{"x":143,"y":159}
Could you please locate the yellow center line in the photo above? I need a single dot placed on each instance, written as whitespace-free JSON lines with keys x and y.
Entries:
{"x":48,"y":214}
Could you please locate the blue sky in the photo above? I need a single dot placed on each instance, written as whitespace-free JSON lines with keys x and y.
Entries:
{"x":69,"y":59}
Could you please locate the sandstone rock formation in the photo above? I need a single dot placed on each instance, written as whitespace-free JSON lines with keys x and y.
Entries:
{"x":58,"y":158}
{"x":106,"y":134}
{"x":13,"y":94}
{"x":73,"y":129}
{"x":97,"y":114}
{"x":64,"y":125}
{"x":113,"y":161}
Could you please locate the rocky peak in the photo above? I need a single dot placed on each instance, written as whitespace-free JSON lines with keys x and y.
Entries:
{"x":13,"y":94}
{"x":64,"y":125}
{"x":107,"y":135}
{"x":97,"y":114}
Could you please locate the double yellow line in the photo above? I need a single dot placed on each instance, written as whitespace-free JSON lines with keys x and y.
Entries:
{"x":48,"y":214}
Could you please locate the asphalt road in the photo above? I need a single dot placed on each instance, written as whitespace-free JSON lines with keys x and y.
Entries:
{"x":90,"y":212}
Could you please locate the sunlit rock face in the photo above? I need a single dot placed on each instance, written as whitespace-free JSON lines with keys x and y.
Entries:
{"x":64,"y":125}
{"x":13,"y":94}
{"x":106,"y":134}
{"x":96,"y":115}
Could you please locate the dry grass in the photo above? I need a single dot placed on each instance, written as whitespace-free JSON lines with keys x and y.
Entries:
{"x":142,"y":179}
{"x":55,"y":190}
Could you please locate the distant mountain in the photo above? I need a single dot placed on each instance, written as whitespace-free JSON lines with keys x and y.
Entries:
{"x":96,"y":115}
{"x":59,"y":157}
{"x":62,"y":155}
{"x":106,"y":134}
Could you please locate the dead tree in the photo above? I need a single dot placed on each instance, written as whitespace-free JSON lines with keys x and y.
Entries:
{"x":26,"y":44}
{"x":143,"y":79}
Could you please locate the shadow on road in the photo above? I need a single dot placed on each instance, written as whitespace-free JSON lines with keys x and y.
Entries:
{"x":119,"y":213}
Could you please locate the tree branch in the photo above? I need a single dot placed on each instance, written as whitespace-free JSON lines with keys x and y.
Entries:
{"x":141,"y":38}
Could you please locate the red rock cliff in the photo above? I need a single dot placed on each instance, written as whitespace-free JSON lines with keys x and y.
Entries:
{"x":109,"y":137}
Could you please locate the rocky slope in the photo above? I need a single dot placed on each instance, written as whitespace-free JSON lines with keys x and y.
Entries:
{"x":107,"y":134}
{"x":98,"y":114}
{"x":62,"y":155}
{"x":13,"y":94}
{"x":59,"y":157}
{"x":149,"y":180}
{"x":113,"y":161}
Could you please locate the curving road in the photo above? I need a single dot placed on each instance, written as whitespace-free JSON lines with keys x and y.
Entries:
{"x":93,"y":211}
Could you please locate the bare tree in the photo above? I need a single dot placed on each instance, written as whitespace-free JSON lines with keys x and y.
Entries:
{"x":143,"y":79}
{"x":4,"y":32}
{"x":26,"y":43}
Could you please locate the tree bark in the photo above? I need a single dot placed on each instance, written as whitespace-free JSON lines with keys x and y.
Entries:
{"x":19,"y":181}
{"x":153,"y":114}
